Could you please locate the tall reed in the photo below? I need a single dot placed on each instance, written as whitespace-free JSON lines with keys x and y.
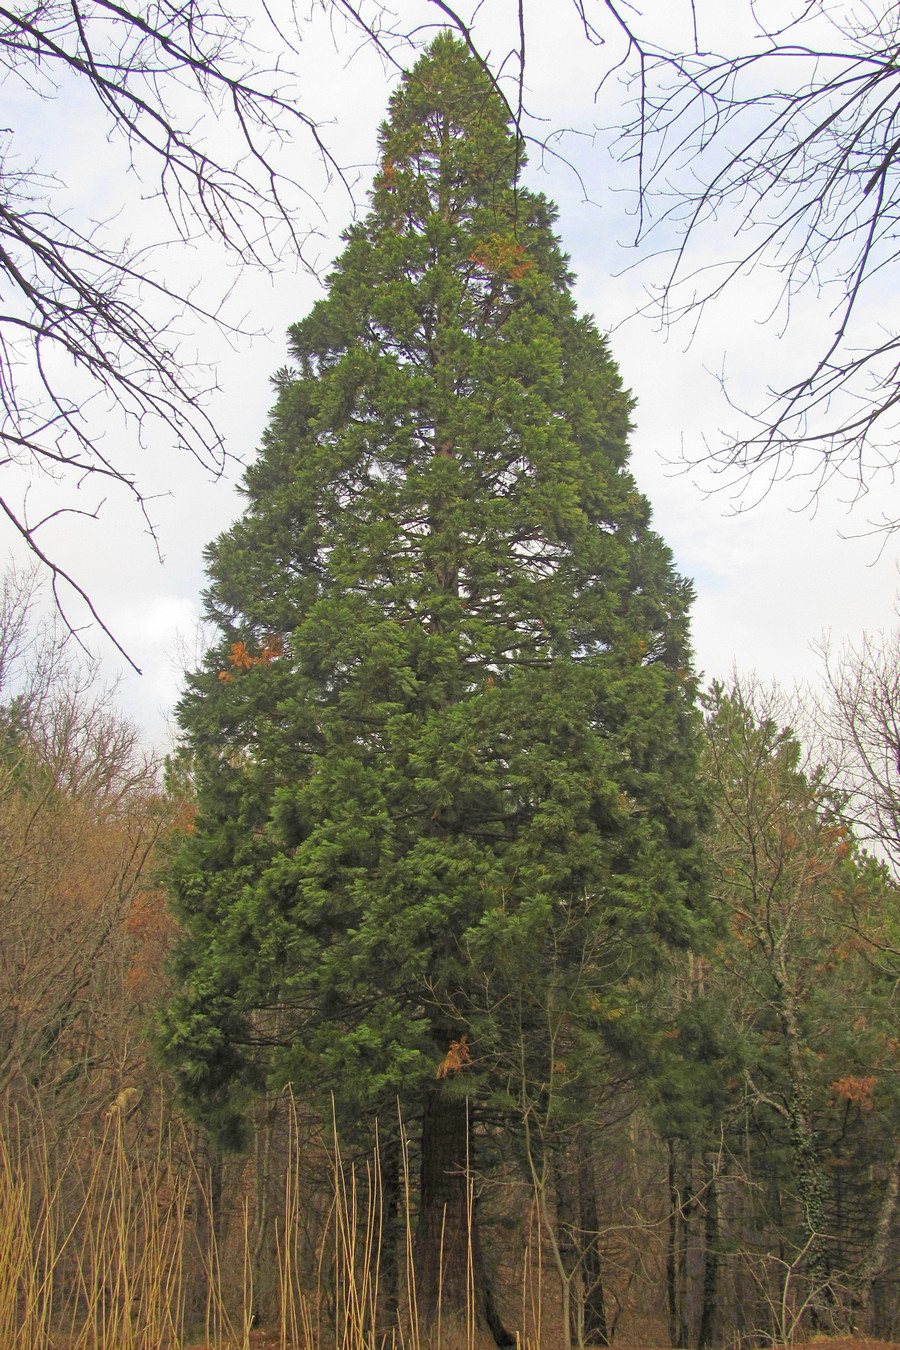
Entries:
{"x":99,"y":1246}
{"x":91,"y":1248}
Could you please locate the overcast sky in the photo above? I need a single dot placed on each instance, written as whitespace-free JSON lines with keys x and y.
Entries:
{"x":769,"y":580}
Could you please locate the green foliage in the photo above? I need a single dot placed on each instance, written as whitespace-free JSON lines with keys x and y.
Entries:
{"x":785,"y":1056}
{"x":451,"y":705}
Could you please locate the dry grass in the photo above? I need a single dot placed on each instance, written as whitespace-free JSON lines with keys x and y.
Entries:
{"x":104,"y":1249}
{"x":101,"y":1249}
{"x":91,"y":1251}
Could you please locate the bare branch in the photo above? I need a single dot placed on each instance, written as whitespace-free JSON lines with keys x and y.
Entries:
{"x":788,"y":149}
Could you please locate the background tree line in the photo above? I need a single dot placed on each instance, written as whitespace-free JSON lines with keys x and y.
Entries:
{"x":733,"y":1172}
{"x":445,"y":830}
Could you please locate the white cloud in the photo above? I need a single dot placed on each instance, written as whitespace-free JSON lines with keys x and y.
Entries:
{"x":768,"y":582}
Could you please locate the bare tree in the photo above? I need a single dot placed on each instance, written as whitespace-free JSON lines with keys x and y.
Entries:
{"x":860,"y":721}
{"x":81,"y":813}
{"x":201,"y":108}
{"x":781,"y":155}
{"x":793,"y":141}
{"x":773,"y":855}
{"x":207,"y":103}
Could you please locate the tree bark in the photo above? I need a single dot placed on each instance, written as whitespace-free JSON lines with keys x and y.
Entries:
{"x":567,"y":1246}
{"x":264,"y":1306}
{"x":671,"y":1250}
{"x":452,"y":1288}
{"x":389,"y":1242}
{"x":676,"y":1254}
{"x":596,"y":1328}
{"x":876,"y":1258}
{"x":710,"y":1263}
{"x":809,"y":1178}
{"x":811,"y":1185}
{"x":201,"y":1310}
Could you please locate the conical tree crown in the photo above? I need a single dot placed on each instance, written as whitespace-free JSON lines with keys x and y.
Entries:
{"x":451,"y":701}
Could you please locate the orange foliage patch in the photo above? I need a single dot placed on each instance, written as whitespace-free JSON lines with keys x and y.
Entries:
{"x":455,"y":1058}
{"x":183,"y":815}
{"x":241,"y":658}
{"x":151,"y":927}
{"x":502,"y":257}
{"x":857,"y":1091}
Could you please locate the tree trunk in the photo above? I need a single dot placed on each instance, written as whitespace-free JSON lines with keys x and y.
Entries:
{"x":389,"y":1242}
{"x":578,"y":1241}
{"x":808,"y":1176}
{"x":452,"y":1289}
{"x":672,"y":1250}
{"x":877,"y":1251}
{"x":710,"y":1263}
{"x":264,"y":1303}
{"x":201,"y":1302}
{"x":676,"y":1255}
{"x":568,"y":1249}
{"x":811,"y":1186}
{"x":596,"y":1329}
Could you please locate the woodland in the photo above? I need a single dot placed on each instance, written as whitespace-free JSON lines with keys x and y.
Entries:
{"x":467,"y":974}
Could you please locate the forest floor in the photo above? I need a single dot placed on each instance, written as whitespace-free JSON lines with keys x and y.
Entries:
{"x":845,"y":1343}
{"x":269,"y":1338}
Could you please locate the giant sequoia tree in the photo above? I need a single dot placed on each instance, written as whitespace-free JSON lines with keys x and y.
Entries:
{"x":449,"y":720}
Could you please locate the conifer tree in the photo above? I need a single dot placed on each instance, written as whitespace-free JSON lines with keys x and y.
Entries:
{"x":450,"y":709}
